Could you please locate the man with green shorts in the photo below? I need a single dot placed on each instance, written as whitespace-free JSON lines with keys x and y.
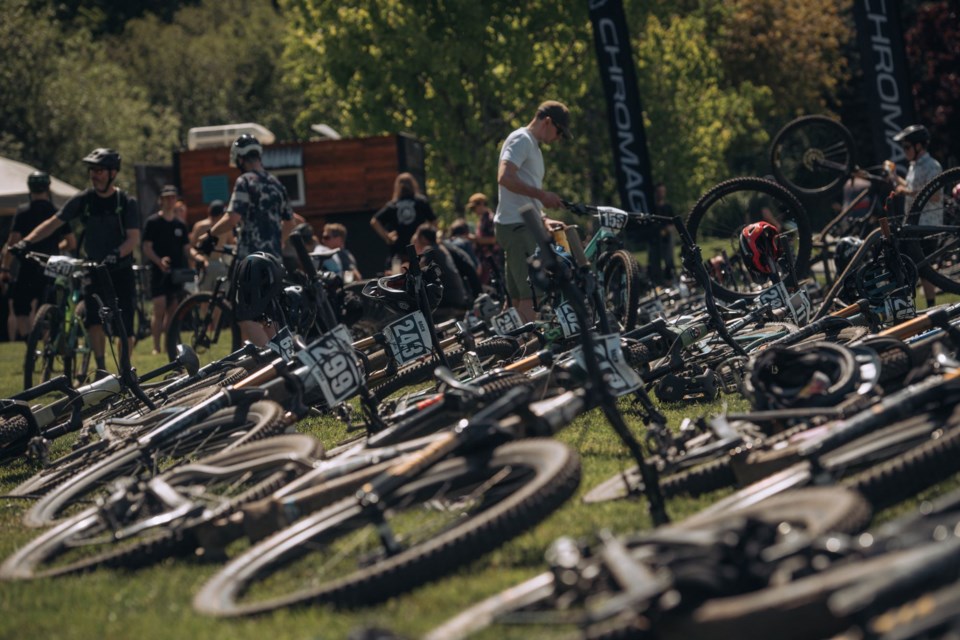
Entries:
{"x":520,"y":180}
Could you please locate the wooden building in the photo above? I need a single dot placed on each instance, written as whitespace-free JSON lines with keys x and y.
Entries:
{"x":345,"y":181}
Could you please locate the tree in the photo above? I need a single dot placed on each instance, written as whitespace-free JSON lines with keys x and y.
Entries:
{"x":65,"y":95}
{"x":215,"y":63}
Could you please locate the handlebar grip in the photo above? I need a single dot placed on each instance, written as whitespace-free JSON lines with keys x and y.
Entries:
{"x":534,"y":224}
{"x":576,"y":246}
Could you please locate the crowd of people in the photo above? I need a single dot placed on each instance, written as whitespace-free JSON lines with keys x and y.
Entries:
{"x":103,"y":223}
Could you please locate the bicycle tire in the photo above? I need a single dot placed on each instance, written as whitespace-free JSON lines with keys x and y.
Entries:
{"x":191,"y":327}
{"x":542,"y":473}
{"x":89,"y":540}
{"x":422,"y":371}
{"x":75,"y":461}
{"x":814,"y":511}
{"x":812,"y":154}
{"x":696,"y":481}
{"x":47,"y":356}
{"x":220,"y":432}
{"x":937,"y":256}
{"x":720,"y":214}
{"x":622,"y":285}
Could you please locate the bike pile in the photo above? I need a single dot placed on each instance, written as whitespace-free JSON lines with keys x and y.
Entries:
{"x":449,"y":450}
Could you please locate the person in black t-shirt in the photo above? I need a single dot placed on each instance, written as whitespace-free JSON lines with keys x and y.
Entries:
{"x":108,"y":222}
{"x":28,"y":290}
{"x":166,"y":247}
{"x":397,"y":221}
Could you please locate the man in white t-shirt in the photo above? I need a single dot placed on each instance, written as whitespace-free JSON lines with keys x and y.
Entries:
{"x":520,"y":180}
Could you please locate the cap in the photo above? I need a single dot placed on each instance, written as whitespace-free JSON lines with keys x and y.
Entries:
{"x":169,"y":190}
{"x":558,"y":114}
{"x":216,"y":208}
{"x":475,"y":200}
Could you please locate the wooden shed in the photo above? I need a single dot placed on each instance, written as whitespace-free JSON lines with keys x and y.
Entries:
{"x":345,"y":181}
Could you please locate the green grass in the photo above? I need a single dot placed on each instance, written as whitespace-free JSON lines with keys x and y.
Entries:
{"x":155,"y":602}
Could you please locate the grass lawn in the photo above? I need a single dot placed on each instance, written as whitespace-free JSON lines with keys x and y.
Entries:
{"x":155,"y":602}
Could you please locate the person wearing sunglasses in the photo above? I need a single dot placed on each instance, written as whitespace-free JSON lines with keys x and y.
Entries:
{"x":520,"y":178}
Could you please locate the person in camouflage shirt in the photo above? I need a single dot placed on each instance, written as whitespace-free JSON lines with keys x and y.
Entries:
{"x":260,"y":203}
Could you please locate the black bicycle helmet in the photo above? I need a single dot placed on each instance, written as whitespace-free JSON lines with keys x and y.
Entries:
{"x":846,"y":248}
{"x":398,"y":291}
{"x":38,"y":182}
{"x":242,"y":147}
{"x":102,"y":157}
{"x":297,"y":309}
{"x":816,"y":374}
{"x":259,"y":283}
{"x":758,"y":242}
{"x":915,"y":134}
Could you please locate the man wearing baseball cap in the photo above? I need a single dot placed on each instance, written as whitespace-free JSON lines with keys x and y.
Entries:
{"x":520,"y":180}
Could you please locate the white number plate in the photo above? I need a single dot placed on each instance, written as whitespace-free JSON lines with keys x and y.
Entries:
{"x":567,"y":319}
{"x":282,"y":344}
{"x":333,"y":365}
{"x":612,"y":218}
{"x":59,"y":266}
{"x":617,"y":374}
{"x":798,"y":305}
{"x":409,"y":338}
{"x":506,"y":322}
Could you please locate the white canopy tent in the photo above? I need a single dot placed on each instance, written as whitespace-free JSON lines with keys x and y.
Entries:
{"x":13,"y":186}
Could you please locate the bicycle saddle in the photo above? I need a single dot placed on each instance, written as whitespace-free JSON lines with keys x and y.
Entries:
{"x":398,"y":291}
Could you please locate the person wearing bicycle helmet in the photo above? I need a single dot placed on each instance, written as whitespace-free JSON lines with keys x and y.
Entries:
{"x":923,"y":168}
{"x":520,"y":178}
{"x":259,"y":204}
{"x":29,"y":285}
{"x":107,"y":222}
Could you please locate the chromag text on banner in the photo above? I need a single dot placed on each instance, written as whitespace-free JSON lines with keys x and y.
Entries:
{"x":887,"y":91}
{"x":624,"y":113}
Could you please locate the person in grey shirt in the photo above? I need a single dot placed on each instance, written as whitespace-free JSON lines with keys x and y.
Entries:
{"x":520,"y":179}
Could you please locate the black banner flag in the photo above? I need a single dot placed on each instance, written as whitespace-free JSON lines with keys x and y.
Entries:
{"x":624,"y":112}
{"x":889,"y":99}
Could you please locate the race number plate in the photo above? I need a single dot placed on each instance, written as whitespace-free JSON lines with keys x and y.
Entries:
{"x":617,"y":374}
{"x":333,"y":367}
{"x":59,"y":266}
{"x":282,"y":344}
{"x":612,"y":218}
{"x":567,"y":319}
{"x":506,"y":322}
{"x":409,"y":338}
{"x":798,"y":305}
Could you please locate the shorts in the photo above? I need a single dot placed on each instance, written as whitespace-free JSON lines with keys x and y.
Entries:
{"x":517,"y":245}
{"x":162,"y":285}
{"x":123,"y":285}
{"x":215,"y":269}
{"x":31,"y":285}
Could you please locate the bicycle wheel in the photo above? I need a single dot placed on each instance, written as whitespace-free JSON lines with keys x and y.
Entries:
{"x":141,"y":525}
{"x":812,"y":154}
{"x":460,"y":509}
{"x":622,"y":285}
{"x":937,"y":256}
{"x":205,"y":324}
{"x":47,"y":353}
{"x":719,"y":216}
{"x":222,"y":431}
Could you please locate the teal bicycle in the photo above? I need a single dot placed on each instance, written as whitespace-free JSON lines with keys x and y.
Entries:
{"x":58,"y":343}
{"x":621,"y":276}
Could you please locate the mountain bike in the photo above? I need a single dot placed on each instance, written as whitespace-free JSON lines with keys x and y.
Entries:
{"x":58,"y":343}
{"x":202,"y":318}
